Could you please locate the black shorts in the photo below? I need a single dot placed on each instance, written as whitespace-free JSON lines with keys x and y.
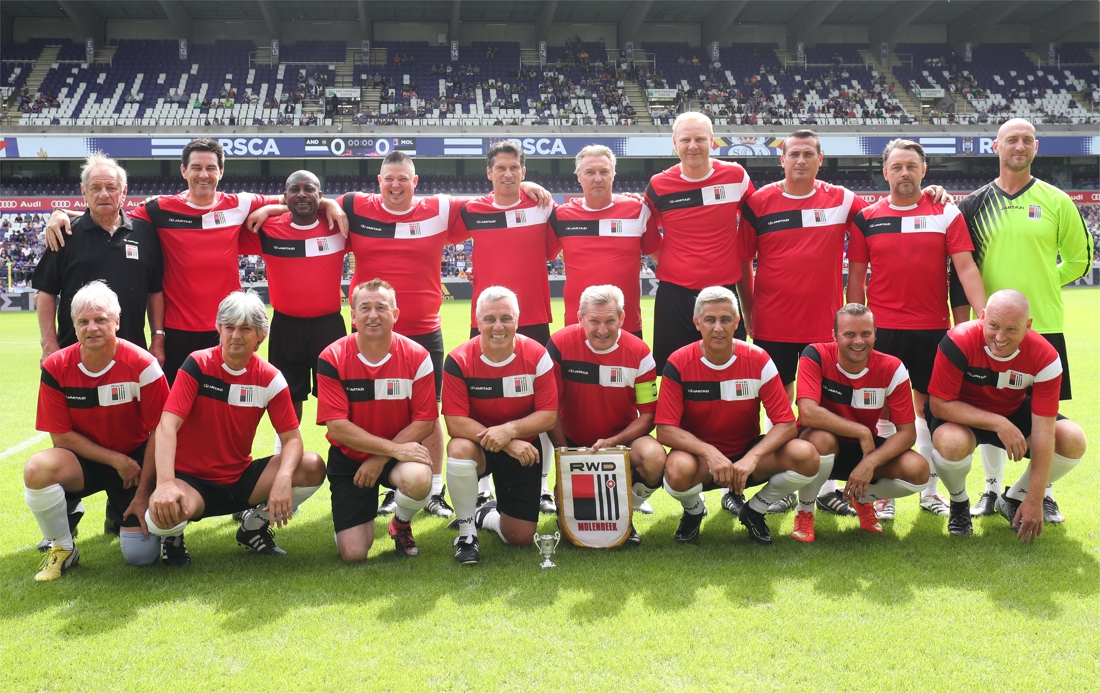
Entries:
{"x":916,"y":349}
{"x":295,"y":344}
{"x":753,"y":481}
{"x":352,"y":505}
{"x":1058,"y":341}
{"x":540,"y":332}
{"x":848,"y":456}
{"x":178,"y":345}
{"x":1021,"y":419}
{"x":99,"y":477}
{"x":673,"y":327}
{"x":433,"y":342}
{"x":785,"y":356}
{"x":518,"y":488}
{"x":232,"y":498}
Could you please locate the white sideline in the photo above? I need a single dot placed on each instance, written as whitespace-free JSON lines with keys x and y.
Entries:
{"x":23,"y":446}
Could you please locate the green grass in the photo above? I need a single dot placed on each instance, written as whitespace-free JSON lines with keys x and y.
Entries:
{"x":913,"y":609}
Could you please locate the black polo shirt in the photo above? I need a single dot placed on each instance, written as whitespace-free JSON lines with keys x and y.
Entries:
{"x":129,"y":261}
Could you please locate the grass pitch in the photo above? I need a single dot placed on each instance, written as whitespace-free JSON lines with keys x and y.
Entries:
{"x":913,"y":609}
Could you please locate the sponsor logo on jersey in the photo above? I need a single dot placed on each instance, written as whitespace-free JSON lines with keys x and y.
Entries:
{"x":719,"y":192}
{"x":247,"y":394}
{"x":322,"y":245}
{"x":819,"y":216}
{"x":740,"y":388}
{"x":393,"y":388}
{"x":520,"y":385}
{"x":219,"y":218}
{"x":520,"y":216}
{"x":179,"y":221}
{"x":119,"y":392}
{"x":616,"y":226}
{"x":920,"y":223}
{"x":1015,"y":379}
{"x":1035,"y":212}
{"x":870,"y":398}
{"x":414,"y":230}
{"x":616,"y":376}
{"x":131,"y":251}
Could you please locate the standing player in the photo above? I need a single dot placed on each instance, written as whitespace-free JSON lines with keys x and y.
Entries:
{"x":708,"y":413}
{"x":498,"y":396}
{"x":604,"y":236}
{"x":844,"y":388}
{"x":99,"y":400}
{"x":907,"y":239}
{"x":297,"y":245}
{"x":607,"y":389}
{"x":1028,"y":235}
{"x":377,"y":399}
{"x":204,"y":440}
{"x":996,"y":382}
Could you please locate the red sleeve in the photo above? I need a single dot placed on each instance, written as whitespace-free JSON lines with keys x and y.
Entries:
{"x":958,"y":236}
{"x":53,"y":409}
{"x":248,"y":243}
{"x":332,"y":399}
{"x":857,"y":245}
{"x":553,"y":244}
{"x":456,"y":401}
{"x":652,"y":204}
{"x":670,"y":403}
{"x":546,"y":389}
{"x":946,"y":382}
{"x":808,"y":384}
{"x":139,"y":213}
{"x":424,"y":407}
{"x":153,"y":397}
{"x":900,"y":403}
{"x":858,"y":205}
{"x":1045,"y":393}
{"x":559,"y":382}
{"x":264,"y":200}
{"x":746,"y":239}
{"x":774,"y":397}
{"x":280,"y":411}
{"x":457,"y":231}
{"x":651,"y":239}
{"x":182,"y":396}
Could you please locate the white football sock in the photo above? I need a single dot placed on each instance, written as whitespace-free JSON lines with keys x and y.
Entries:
{"x":278,"y":447}
{"x":924,"y":449}
{"x":547,"y":460}
{"x":437,"y":485}
{"x":807,"y":495}
{"x":1049,"y":492}
{"x":257,"y":518}
{"x":885,"y":429}
{"x":484,"y":485}
{"x":639,"y":493}
{"x":406,"y":506}
{"x":828,"y":487}
{"x":994,"y":460}
{"x":462,"y":480}
{"x":953,"y":475}
{"x":492,"y":521}
{"x":779,"y":485}
{"x":691,"y":499}
{"x":889,"y":488}
{"x":1059,"y":467}
{"x":169,"y":532}
{"x":768,"y":425}
{"x":50,"y":511}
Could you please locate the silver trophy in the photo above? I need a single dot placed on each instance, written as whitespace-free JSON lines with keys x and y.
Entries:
{"x":546,"y":543}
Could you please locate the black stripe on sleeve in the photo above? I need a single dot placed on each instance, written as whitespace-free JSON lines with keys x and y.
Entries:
{"x":451,"y":367}
{"x":191,"y":368}
{"x":953,"y":353}
{"x":811,"y":352}
{"x":327,"y":369}
{"x":552,"y":349}
{"x":49,"y":380}
{"x":671,"y":372}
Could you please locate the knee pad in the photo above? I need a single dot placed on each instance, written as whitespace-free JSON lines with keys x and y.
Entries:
{"x":137,"y":550}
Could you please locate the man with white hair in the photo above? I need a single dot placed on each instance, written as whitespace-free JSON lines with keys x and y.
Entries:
{"x":708,"y":414}
{"x":607,"y":389}
{"x":996,"y":382}
{"x":204,"y":440}
{"x":498,"y":396}
{"x":603,"y":236}
{"x":99,"y":400}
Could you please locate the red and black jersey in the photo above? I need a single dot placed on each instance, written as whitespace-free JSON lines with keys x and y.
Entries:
{"x":880,"y":391}
{"x":798,"y":243}
{"x":405,"y":249}
{"x":699,"y":218}
{"x":116,"y":408}
{"x":305,"y":266}
{"x":496,"y":393}
{"x":511,"y":247}
{"x":601,"y":392}
{"x":221,"y":409}
{"x":965,"y":370}
{"x":381,"y":398}
{"x":720,"y":403}
{"x":604,"y":246}
{"x":200,"y":247}
{"x":908,"y":249}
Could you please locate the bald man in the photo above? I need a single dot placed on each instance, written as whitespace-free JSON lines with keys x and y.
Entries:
{"x":996,"y":382}
{"x":1029,"y":236}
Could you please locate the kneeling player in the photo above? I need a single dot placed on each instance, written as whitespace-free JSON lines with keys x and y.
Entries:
{"x":844,"y":387}
{"x":99,"y":400}
{"x":498,"y":396}
{"x":607,"y":386}
{"x":708,"y":412}
{"x":980,"y":382}
{"x":204,"y":440}
{"x":377,"y":398}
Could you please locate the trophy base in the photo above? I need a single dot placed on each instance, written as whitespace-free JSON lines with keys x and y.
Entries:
{"x":547,"y":564}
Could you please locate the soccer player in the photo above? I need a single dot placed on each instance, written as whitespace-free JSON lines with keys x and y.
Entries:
{"x":377,"y":400}
{"x":498,"y":396}
{"x":697,"y":202}
{"x":99,"y":400}
{"x":980,"y":395}
{"x":844,"y":388}
{"x":603,"y":236}
{"x":1028,"y":235}
{"x":607,"y":389}
{"x":199,"y":231}
{"x":204,"y":440}
{"x":296,"y":245}
{"x":708,"y":413}
{"x":907,"y":239}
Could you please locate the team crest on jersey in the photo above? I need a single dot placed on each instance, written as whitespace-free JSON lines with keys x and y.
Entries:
{"x":616,"y":376}
{"x":414,"y":230}
{"x":920,"y":223}
{"x":322,"y":245}
{"x":741,"y":388}
{"x":131,"y":251}
{"x":120,"y":392}
{"x":247,"y":395}
{"x":1035,"y":212}
{"x":870,"y":398}
{"x":520,"y":216}
{"x":819,"y":216}
{"x":719,"y":192}
{"x":616,"y":226}
{"x":1016,"y":380}
{"x":219,"y":218}
{"x":393,"y":388}
{"x":521,"y":386}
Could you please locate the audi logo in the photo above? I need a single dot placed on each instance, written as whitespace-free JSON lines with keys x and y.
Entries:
{"x":56,"y":204}
{"x":8,"y":204}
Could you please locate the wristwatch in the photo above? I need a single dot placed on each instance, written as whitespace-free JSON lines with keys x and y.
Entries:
{"x":160,"y":332}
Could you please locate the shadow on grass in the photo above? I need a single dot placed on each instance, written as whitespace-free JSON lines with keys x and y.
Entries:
{"x":248,"y":592}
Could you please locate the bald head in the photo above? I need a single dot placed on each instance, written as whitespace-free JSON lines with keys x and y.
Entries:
{"x":303,"y":176}
{"x":1005,"y":322}
{"x":1013,"y":125}
{"x":1009,"y":300}
{"x":1016,"y":145}
{"x":303,"y":197}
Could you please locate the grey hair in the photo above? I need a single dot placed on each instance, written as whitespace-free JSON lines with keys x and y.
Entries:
{"x":244,"y":308}
{"x":95,"y":295}
{"x":96,"y":159}
{"x":497,"y":293}
{"x":601,"y":295}
{"x":715,"y":294}
{"x":594,"y":150}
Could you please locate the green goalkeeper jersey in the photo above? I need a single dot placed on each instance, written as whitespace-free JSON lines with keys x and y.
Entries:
{"x":1034,"y":241}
